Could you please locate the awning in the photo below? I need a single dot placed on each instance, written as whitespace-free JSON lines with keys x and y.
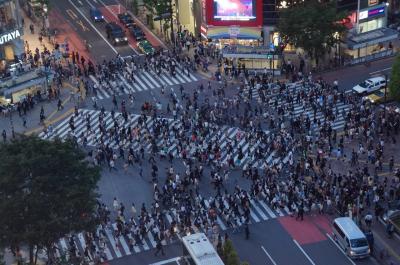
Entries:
{"x":371,"y":38}
{"x":234,"y":32}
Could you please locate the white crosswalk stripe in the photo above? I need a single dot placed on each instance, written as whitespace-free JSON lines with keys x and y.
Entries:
{"x":298,"y":107}
{"x":142,"y":81}
{"x":231,"y":140}
{"x":118,"y":246}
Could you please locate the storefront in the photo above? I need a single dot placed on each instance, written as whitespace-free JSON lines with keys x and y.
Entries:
{"x":11,"y":45}
{"x":232,"y":22}
{"x":257,"y":58}
{"x":370,"y":38}
{"x":16,"y":88}
{"x":233,"y":35}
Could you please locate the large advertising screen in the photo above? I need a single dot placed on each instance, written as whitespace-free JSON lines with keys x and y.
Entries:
{"x":234,"y":10}
{"x":242,"y":13}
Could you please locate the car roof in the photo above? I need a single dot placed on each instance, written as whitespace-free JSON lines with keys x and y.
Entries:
{"x":377,"y":78}
{"x":114,"y":25}
{"x":349,"y":227}
{"x":93,"y":9}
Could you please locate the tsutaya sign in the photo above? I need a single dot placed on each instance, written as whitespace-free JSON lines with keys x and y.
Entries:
{"x":7,"y":37}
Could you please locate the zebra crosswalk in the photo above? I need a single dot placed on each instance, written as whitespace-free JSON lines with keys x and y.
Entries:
{"x":339,"y":109}
{"x":143,"y":81}
{"x":112,"y":245}
{"x":245,"y":151}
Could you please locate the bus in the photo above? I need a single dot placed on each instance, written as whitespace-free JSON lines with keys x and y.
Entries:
{"x":198,"y":250}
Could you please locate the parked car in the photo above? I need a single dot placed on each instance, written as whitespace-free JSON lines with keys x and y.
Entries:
{"x":96,"y":15}
{"x":126,"y":19}
{"x":116,"y":34}
{"x":145,"y":47}
{"x":370,"y":85}
{"x":137,"y":32}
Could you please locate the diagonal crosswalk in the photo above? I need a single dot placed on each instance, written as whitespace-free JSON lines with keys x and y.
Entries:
{"x":340,"y":109}
{"x":254,"y":152}
{"x":111,"y":246}
{"x":143,"y":80}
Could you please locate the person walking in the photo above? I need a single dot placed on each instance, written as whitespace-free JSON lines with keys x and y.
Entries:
{"x":300,"y":213}
{"x":4,"y":134}
{"x":247,"y":231}
{"x":159,"y":247}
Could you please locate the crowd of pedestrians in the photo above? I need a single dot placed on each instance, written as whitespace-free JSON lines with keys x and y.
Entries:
{"x":290,"y":159}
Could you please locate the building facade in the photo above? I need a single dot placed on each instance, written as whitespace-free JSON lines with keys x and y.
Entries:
{"x":11,"y":31}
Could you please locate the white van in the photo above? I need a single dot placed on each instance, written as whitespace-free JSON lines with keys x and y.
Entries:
{"x":350,"y":238}
{"x":370,"y":85}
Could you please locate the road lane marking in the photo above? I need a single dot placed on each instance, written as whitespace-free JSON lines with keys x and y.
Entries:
{"x":91,"y":5}
{"x":111,"y":11}
{"x":380,"y":71}
{"x":71,"y":14}
{"x":341,"y":250}
{"x":305,"y":254}
{"x":167,"y":261}
{"x":268,"y":255}
{"x":90,"y":23}
{"x":80,"y":23}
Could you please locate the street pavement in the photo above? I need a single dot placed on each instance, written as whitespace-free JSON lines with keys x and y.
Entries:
{"x":77,"y":15}
{"x":268,"y":234}
{"x":276,"y":238}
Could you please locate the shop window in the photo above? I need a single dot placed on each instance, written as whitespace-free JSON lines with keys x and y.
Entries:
{"x":9,"y":52}
{"x":372,"y":25}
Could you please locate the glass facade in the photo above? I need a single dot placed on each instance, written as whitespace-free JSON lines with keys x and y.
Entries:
{"x":10,"y":31}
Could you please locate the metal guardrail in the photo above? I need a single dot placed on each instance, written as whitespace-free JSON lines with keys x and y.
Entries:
{"x":371,"y":57}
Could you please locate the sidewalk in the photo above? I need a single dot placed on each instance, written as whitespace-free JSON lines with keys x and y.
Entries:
{"x":32,"y":116}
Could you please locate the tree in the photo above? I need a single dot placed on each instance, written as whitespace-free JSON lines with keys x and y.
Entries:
{"x":311,"y":25}
{"x":135,"y":7}
{"x":2,"y":258}
{"x":47,"y":190}
{"x":230,"y":256}
{"x":394,"y":83}
{"x":163,"y":10}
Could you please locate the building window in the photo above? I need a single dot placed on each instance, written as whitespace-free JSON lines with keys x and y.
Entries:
{"x":372,"y":25}
{"x":7,"y":19}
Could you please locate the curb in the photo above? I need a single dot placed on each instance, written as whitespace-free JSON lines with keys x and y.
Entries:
{"x":50,"y":122}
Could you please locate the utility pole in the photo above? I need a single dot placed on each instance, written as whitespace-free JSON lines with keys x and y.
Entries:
{"x":172,"y":23}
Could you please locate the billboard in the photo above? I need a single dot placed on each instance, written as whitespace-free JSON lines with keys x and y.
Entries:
{"x":234,"y":10}
{"x":244,"y":13}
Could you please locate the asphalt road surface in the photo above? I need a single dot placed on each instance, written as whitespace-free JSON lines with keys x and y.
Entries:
{"x":276,"y":238}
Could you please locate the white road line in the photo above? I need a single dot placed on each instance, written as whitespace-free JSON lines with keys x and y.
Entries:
{"x":380,"y":71}
{"x":305,"y":254}
{"x":263,"y":216}
{"x":268,"y":255}
{"x":90,"y":23}
{"x":91,"y":5}
{"x":166,"y":261}
{"x":341,"y":250}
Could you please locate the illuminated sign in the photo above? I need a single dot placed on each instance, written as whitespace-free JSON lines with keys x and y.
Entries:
{"x":7,"y":37}
{"x":364,"y":14}
{"x":234,"y":10}
{"x":372,"y":2}
{"x":376,"y":11}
